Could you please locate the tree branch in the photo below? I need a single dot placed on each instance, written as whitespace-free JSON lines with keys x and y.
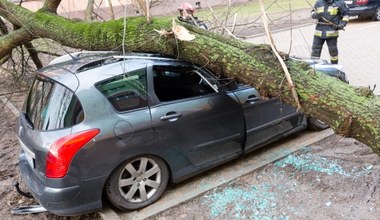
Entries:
{"x":51,"y":6}
{"x":3,"y":28}
{"x":220,"y":23}
{"x":33,"y":54}
{"x":14,"y":39}
{"x":7,"y":9}
{"x":4,"y":59}
{"x":274,"y":49}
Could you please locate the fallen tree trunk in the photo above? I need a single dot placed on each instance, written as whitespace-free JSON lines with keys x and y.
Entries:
{"x":345,"y":108}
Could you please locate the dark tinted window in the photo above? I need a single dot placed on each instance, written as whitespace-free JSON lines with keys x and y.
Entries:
{"x":52,"y":106}
{"x":179,"y":83}
{"x":126,"y":92}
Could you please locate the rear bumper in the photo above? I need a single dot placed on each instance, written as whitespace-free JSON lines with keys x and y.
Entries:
{"x":66,"y":201}
{"x":364,"y":11}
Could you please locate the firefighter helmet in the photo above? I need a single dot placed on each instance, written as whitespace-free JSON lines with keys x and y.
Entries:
{"x":186,"y":7}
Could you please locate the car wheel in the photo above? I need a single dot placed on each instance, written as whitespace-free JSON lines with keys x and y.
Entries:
{"x":137,"y":183}
{"x":316,"y":124}
{"x":203,"y":26}
{"x":376,"y":16}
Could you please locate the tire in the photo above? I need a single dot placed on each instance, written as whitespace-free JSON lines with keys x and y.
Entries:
{"x":316,"y":124}
{"x":137,"y":183}
{"x":376,"y":15}
{"x":203,"y":26}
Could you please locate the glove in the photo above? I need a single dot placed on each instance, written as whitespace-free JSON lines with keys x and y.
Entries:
{"x":315,"y":15}
{"x":339,"y":27}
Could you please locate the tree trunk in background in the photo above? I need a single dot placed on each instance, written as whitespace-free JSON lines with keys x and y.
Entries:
{"x":89,"y":10}
{"x":142,"y":6}
{"x":343,"y":107}
{"x":51,"y":6}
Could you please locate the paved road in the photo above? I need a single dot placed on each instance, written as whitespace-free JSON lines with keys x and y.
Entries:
{"x":197,"y":186}
{"x":359,"y":49}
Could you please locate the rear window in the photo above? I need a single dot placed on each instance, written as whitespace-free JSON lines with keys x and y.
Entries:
{"x":126,"y":92}
{"x":51,"y":106}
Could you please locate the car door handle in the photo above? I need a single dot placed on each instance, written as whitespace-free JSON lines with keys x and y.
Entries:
{"x":252,"y":98}
{"x":171,"y":116}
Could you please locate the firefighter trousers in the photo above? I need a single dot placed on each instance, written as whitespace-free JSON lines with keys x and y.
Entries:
{"x":332,"y":44}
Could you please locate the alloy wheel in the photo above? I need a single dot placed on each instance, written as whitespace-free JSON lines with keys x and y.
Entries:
{"x":376,"y":16}
{"x":139,"y":180}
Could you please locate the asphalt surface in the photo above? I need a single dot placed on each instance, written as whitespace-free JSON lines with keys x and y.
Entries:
{"x":203,"y":183}
{"x":358,"y":45}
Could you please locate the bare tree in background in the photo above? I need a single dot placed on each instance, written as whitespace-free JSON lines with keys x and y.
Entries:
{"x":89,"y":10}
{"x":111,"y":9}
{"x":144,"y":6}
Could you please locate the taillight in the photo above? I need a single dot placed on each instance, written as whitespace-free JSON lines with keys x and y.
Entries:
{"x":63,"y":151}
{"x":361,"y":2}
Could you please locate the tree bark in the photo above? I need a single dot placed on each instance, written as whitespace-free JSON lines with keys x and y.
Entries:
{"x":51,"y":5}
{"x":342,"y":106}
{"x":14,"y":39}
{"x":3,"y":28}
{"x":89,"y":10}
{"x":111,"y":9}
{"x":33,"y":54}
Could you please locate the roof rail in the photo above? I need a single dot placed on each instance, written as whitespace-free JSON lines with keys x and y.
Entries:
{"x":97,"y":63}
{"x":144,"y":57}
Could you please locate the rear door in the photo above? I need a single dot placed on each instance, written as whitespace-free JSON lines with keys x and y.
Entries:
{"x":191,"y":116}
{"x":266,"y":119}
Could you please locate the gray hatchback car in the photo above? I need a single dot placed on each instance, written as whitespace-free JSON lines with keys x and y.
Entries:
{"x":99,"y":124}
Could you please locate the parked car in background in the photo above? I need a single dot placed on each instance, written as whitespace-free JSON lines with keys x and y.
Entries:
{"x":364,"y":8}
{"x":334,"y":70}
{"x":124,"y":126}
{"x":322,"y":65}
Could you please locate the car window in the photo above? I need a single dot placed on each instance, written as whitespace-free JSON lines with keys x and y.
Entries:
{"x":179,"y":83}
{"x":126,"y":92}
{"x":51,"y":105}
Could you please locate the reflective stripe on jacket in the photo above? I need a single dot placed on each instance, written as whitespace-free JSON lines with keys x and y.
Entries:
{"x":330,"y":14}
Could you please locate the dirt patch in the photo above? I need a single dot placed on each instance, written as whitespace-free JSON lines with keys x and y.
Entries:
{"x":337,"y":178}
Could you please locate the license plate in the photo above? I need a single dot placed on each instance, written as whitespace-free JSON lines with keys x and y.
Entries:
{"x":29,"y":155}
{"x":349,"y":2}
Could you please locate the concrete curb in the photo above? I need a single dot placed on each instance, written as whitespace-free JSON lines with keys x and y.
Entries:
{"x":199,"y":185}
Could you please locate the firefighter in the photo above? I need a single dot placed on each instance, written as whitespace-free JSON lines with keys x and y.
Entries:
{"x":332,"y":16}
{"x":186,"y":14}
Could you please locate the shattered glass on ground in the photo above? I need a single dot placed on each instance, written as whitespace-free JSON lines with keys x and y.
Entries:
{"x":306,"y":162}
{"x":260,"y":200}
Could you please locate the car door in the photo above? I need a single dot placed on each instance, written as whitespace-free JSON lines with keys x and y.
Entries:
{"x":190,"y":115}
{"x":266,"y":119}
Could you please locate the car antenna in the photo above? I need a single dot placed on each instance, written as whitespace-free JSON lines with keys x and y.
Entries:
{"x":72,"y":57}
